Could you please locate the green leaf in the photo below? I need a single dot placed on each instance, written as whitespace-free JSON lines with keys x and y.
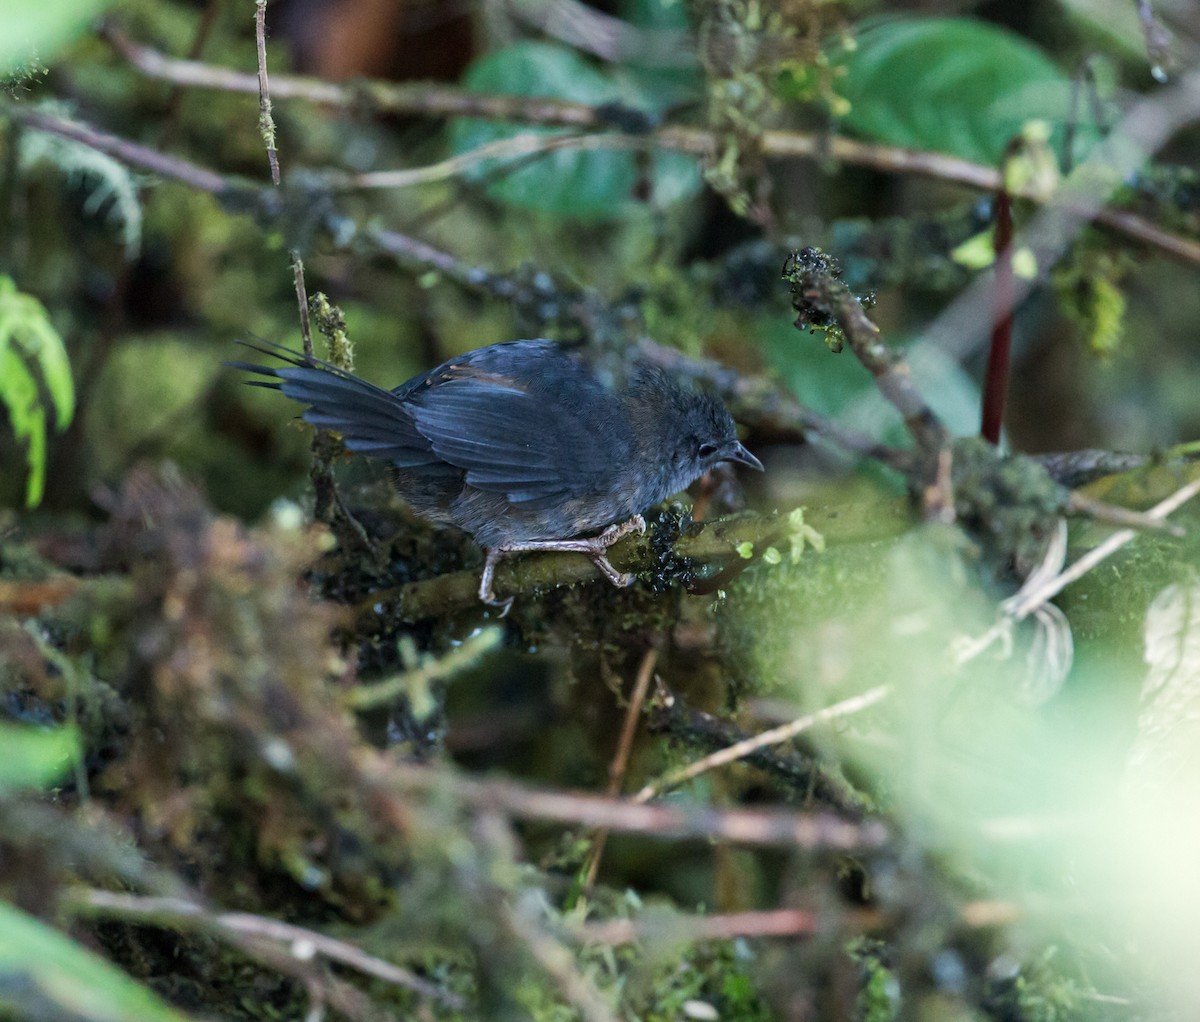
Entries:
{"x":25,"y":325}
{"x":44,"y":974}
{"x":39,"y":30}
{"x":583,"y":184}
{"x":838,"y":387}
{"x":950,"y":84}
{"x":35,"y":757}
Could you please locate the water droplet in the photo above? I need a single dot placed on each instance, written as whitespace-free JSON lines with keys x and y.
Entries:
{"x":1159,"y":74}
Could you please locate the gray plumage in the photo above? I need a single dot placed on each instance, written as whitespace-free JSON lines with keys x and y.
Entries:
{"x":519,"y":443}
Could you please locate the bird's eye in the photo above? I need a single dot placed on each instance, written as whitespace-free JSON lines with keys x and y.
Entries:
{"x":707,"y":450}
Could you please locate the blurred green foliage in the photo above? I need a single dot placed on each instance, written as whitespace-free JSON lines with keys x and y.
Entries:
{"x":48,"y":975}
{"x":35,"y":758}
{"x":28,"y":337}
{"x":570,"y":182}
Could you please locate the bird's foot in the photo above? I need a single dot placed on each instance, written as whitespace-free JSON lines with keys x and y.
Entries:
{"x":486,"y":594}
{"x":619,"y":531}
{"x":595,"y":548}
{"x":600,"y":544}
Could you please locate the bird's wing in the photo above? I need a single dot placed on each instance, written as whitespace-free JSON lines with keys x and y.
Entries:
{"x":537,"y":444}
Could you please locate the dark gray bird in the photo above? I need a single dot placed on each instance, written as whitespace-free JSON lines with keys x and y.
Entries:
{"x":525,"y":445}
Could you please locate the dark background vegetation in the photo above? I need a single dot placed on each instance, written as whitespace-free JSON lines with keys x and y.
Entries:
{"x":263,"y":754}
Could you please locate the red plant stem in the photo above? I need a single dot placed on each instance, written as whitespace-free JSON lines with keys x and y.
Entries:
{"x":995,"y":384}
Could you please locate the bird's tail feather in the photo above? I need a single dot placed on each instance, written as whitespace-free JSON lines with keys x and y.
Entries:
{"x":370,"y":419}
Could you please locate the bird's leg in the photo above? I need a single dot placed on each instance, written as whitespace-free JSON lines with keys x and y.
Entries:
{"x":595,"y":547}
{"x":485,"y":580}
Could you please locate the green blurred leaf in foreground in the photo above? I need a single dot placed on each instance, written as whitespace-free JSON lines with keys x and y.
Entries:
{"x":44,"y":974}
{"x":35,"y":757}
{"x":35,"y":31}
{"x":27,"y":335}
{"x":1085,"y":828}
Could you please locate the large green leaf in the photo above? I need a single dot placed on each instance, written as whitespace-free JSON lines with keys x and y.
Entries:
{"x":44,"y":974}
{"x":27,"y":336}
{"x":584,"y":184}
{"x":950,"y":84}
{"x":35,"y":757}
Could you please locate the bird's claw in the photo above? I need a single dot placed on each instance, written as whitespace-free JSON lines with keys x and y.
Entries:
{"x":486,"y":594}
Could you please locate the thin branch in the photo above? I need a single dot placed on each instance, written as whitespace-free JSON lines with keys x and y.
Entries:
{"x":130,"y":153}
{"x":1029,"y":602}
{"x":1031,"y":597}
{"x":821,"y":299}
{"x":755,"y":827}
{"x":1113,"y":514}
{"x":796,"y":772}
{"x":302,"y":302}
{"x":266,"y":122}
{"x":713,"y":546}
{"x":620,"y":762}
{"x":775,"y":736}
{"x":784,"y":922}
{"x":385,"y":98}
{"x":301,"y":943}
{"x":516,"y":147}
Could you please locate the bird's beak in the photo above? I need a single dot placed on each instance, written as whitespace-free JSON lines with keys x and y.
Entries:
{"x":744,"y":457}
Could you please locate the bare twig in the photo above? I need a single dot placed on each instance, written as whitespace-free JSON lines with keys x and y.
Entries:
{"x":783,"y":922}
{"x":387,"y":98}
{"x":1036,"y":595}
{"x":1030,"y":601}
{"x":261,"y":938}
{"x":518,"y":146}
{"x":1112,"y":514}
{"x":302,"y":303}
{"x":765,"y":827}
{"x":775,"y":736}
{"x":130,"y":153}
{"x":266,"y":122}
{"x":616,"y":771}
{"x":797,"y":772}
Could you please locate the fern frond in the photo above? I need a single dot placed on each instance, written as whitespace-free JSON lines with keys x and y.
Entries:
{"x":106,"y":181}
{"x":27,"y":337}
